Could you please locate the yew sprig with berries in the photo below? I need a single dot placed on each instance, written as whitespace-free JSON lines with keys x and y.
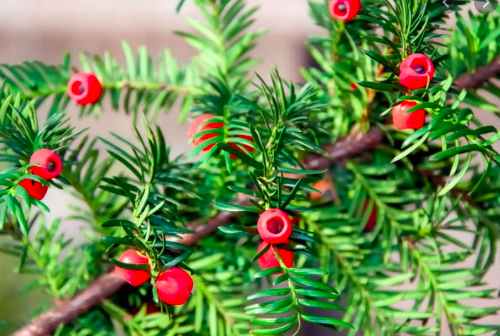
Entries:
{"x":371,"y":182}
{"x":47,"y":165}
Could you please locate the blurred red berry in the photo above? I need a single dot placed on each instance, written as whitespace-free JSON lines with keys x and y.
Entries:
{"x":199,"y":125}
{"x":84,"y":88}
{"x":402,"y":120}
{"x":344,"y":10}
{"x":34,"y":188}
{"x":238,"y":145}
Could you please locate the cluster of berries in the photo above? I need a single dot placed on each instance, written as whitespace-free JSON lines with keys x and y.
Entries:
{"x":274,"y":227}
{"x":416,"y":71}
{"x":49,"y":166}
{"x":204,"y":123}
{"x":174,"y":286}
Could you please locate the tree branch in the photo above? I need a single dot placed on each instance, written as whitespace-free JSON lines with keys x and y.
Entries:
{"x":108,"y":284}
{"x":481,"y":76}
{"x":351,"y":145}
{"x":201,"y":231}
{"x":105,"y":286}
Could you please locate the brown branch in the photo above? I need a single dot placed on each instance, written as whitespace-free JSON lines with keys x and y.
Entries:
{"x":350,"y":146}
{"x":481,"y":76}
{"x":201,"y":231}
{"x":108,"y":284}
{"x":96,"y":292}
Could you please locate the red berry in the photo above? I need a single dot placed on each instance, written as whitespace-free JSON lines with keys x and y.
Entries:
{"x":151,"y":308}
{"x":416,"y":71}
{"x":238,"y":145}
{"x":50,"y":164}
{"x":344,"y":10}
{"x":34,"y":188}
{"x":402,"y":120}
{"x":372,"y":220}
{"x":134,"y":277}
{"x":275,"y":227}
{"x":200,"y":125}
{"x":174,"y":286}
{"x":249,"y":138}
{"x":354,"y":86}
{"x":324,"y":187}
{"x":84,"y":88}
{"x":269,"y":260}
{"x":196,"y":125}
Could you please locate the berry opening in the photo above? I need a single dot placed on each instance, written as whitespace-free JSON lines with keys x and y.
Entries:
{"x":420,"y":69}
{"x":51,"y":166}
{"x":341,"y":8}
{"x":419,"y":66}
{"x":275,"y":225}
{"x":77,"y":88}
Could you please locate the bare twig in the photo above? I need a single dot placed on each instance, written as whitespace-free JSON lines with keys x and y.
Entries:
{"x":108,"y":284}
{"x":350,"y":146}
{"x":481,"y":76}
{"x":201,"y":231}
{"x":96,"y":292}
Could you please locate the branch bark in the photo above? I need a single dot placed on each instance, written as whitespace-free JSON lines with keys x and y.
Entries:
{"x":96,"y":292}
{"x":481,"y":76}
{"x":108,"y":284}
{"x":201,"y":231}
{"x":351,"y":145}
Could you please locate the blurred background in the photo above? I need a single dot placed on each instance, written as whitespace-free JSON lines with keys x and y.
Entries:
{"x":45,"y":30}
